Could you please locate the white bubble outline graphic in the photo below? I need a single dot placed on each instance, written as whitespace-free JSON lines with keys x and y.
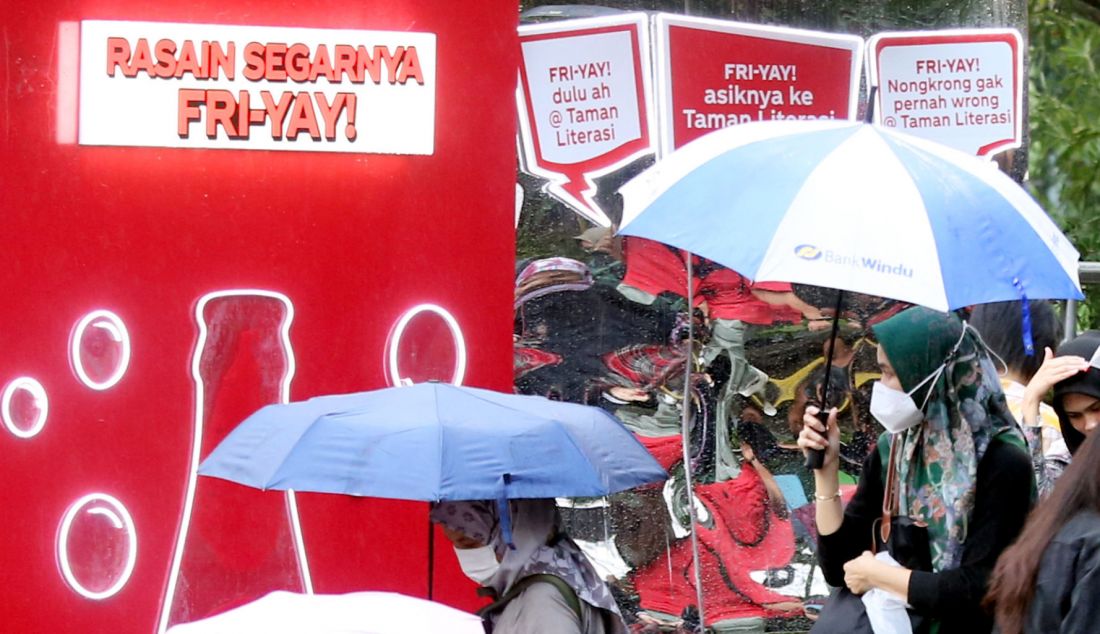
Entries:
{"x":120,"y":518}
{"x":117,"y":329}
{"x":393,"y":373}
{"x":40,"y":399}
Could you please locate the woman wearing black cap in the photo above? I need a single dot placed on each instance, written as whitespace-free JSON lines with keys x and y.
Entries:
{"x":1076,"y":386}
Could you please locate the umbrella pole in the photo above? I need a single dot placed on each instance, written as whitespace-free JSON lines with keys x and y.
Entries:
{"x":685,"y":438}
{"x":431,"y":557}
{"x":815,"y":459}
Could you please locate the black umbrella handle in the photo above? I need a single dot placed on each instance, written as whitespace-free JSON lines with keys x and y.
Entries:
{"x":815,"y":458}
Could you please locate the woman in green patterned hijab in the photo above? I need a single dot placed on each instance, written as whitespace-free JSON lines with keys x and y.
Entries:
{"x":960,"y":472}
{"x":946,"y":367}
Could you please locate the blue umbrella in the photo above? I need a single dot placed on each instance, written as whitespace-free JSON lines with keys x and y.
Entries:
{"x":432,"y":442}
{"x":855,"y":207}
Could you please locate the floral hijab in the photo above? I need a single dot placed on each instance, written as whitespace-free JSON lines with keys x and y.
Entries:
{"x":539,"y":547}
{"x":945,"y":367}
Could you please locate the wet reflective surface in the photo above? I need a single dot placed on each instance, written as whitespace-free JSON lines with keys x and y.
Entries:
{"x":604,"y":321}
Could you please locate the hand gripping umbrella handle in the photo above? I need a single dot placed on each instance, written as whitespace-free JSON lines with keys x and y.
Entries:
{"x":815,"y":458}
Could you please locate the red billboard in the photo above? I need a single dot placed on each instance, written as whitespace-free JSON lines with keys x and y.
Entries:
{"x":170,"y":271}
{"x":714,"y":73}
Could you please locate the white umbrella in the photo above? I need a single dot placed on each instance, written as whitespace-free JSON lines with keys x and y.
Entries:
{"x":354,"y":613}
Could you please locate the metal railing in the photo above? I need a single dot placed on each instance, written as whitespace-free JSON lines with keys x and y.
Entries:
{"x":1089,"y":274}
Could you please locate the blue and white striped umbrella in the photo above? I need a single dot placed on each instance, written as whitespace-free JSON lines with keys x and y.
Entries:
{"x":856,"y":207}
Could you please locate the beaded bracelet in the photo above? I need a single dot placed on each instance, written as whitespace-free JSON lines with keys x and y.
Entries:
{"x":826,"y":498}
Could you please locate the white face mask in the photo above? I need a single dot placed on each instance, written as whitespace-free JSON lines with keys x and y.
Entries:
{"x":479,"y":564}
{"x":896,"y":410}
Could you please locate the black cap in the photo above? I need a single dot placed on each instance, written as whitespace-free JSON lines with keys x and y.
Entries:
{"x":1087,"y":383}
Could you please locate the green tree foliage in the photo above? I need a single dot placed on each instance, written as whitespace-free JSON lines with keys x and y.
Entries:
{"x":1065,"y":123}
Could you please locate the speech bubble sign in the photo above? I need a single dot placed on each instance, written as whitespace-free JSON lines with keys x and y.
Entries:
{"x":584,"y":103}
{"x":962,"y":88}
{"x":716,"y":73}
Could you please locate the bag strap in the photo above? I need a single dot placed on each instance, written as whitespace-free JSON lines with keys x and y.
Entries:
{"x":889,"y":496}
{"x":518,"y":587}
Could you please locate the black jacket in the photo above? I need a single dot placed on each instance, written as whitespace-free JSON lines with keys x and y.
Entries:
{"x":952,"y":597}
{"x":1067,"y":589}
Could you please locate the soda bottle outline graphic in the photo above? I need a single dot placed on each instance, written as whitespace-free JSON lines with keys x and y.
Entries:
{"x":196,"y":444}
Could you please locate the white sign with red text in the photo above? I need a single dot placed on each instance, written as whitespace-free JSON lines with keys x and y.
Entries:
{"x":961,"y":88}
{"x":583,"y":103}
{"x":259,"y":88}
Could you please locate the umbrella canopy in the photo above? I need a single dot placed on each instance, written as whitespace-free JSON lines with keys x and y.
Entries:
{"x":855,"y":207}
{"x":354,"y":613}
{"x":434,"y":441}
